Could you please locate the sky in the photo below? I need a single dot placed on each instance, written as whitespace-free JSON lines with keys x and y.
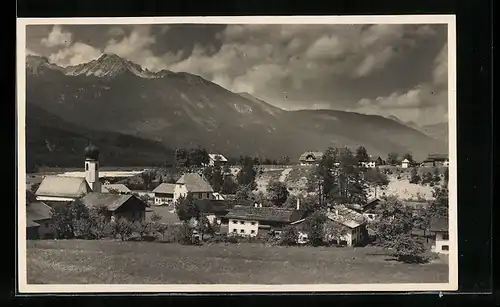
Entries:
{"x":382,"y":69}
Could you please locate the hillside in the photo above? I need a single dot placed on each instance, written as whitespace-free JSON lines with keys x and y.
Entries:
{"x":185,"y":110}
{"x":51,"y":141}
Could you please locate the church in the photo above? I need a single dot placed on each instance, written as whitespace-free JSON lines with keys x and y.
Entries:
{"x":57,"y":191}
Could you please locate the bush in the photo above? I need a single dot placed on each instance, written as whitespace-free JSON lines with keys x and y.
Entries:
{"x":409,"y":249}
{"x":289,"y":236}
{"x":122,"y":228}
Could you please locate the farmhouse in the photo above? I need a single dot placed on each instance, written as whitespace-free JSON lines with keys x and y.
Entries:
{"x":118,"y":187}
{"x":439,"y":226}
{"x":215,"y":210}
{"x":405,"y":163}
{"x":436,"y":160}
{"x":195,"y":185}
{"x":253,"y":220}
{"x":369,"y":209}
{"x":164,"y":194}
{"x":117,"y":205}
{"x":38,"y":219}
{"x":67,"y":189}
{"x":310,"y":157}
{"x":218,"y":159}
{"x":352,"y":222}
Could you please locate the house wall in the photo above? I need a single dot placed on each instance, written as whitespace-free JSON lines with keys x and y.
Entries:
{"x":163,"y":198}
{"x":440,"y":242}
{"x":45,"y":231}
{"x":131,"y":210}
{"x":243,"y":227}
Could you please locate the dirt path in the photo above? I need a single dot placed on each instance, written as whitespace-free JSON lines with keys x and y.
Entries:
{"x":284,"y":174}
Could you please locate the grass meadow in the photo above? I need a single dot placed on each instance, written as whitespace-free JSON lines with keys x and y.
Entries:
{"x":116,"y":262}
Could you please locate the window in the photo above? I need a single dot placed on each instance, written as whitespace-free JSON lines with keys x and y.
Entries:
{"x":87,"y":167}
{"x":235,"y":222}
{"x":445,"y":236}
{"x":445,"y":247}
{"x":253,"y":223}
{"x":234,"y":230}
{"x":252,"y":231}
{"x":208,"y":195}
{"x":242,"y":230}
{"x":242,"y":222}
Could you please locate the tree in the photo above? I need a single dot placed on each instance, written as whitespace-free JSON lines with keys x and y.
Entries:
{"x":436,"y":176}
{"x":146,"y":179}
{"x":197,"y":157}
{"x":246,"y":176}
{"x":63,"y":224}
{"x":376,"y":178}
{"x":362,"y":154}
{"x":277,"y":193}
{"x":440,"y":205}
{"x":243,"y":193}
{"x":290,"y":236}
{"x":186,"y":209}
{"x":392,"y":158}
{"x":446,"y":177}
{"x":216,"y":181}
{"x":394,"y":224}
{"x":333,"y":232}
{"x":229,"y":185}
{"x":123,"y":228}
{"x":414,"y":177}
{"x":315,"y":228}
{"x":408,"y":248}
{"x":427,"y":178}
{"x":409,"y":157}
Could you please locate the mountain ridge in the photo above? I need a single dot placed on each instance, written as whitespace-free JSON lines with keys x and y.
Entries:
{"x":180,"y":109}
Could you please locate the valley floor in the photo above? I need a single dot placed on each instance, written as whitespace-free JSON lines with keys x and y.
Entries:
{"x":108,"y":262}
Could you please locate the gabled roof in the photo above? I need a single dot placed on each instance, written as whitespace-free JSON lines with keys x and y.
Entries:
{"x":405,"y":161}
{"x":62,"y":186}
{"x":346,"y":217}
{"x":214,"y":157}
{"x":121,"y":188}
{"x":195,"y":183}
{"x":265,"y":214}
{"x":166,"y":188}
{"x":308,"y":155}
{"x":439,"y":224}
{"x":215,"y":206}
{"x":30,"y":223}
{"x":108,"y":200}
{"x":38,"y":211}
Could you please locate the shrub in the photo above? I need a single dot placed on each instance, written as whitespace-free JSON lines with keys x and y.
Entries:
{"x":409,"y":249}
{"x":122,"y":228}
{"x":289,"y":236}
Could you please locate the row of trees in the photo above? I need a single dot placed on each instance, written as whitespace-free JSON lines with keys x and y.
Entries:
{"x":432,"y":179}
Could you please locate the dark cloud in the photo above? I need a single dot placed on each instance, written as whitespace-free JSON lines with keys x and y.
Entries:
{"x":378,"y":69}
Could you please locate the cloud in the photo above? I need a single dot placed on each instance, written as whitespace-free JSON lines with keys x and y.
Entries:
{"x":77,"y":53}
{"x":426,"y":103}
{"x":302,"y":53}
{"x":136,"y":47}
{"x":116,"y":31}
{"x":57,"y":37}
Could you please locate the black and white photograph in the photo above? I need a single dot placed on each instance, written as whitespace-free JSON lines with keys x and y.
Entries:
{"x":237,"y":154}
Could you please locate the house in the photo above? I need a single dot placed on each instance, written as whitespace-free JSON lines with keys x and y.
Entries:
{"x":436,"y":160}
{"x":164,"y":194}
{"x":369,"y":209}
{"x":129,"y":207}
{"x":379,"y":161}
{"x":439,"y":226}
{"x":352,"y":222}
{"x":39,"y":222}
{"x":195,"y":185}
{"x":253,"y":220}
{"x":143,"y":193}
{"x":68,"y":188}
{"x":368,"y":164}
{"x":214,"y":210}
{"x":405,"y":163}
{"x":310,"y":157}
{"x":218,"y":159}
{"x":118,"y":187}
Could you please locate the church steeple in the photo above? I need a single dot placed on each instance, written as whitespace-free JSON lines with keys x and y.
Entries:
{"x":92,"y":167}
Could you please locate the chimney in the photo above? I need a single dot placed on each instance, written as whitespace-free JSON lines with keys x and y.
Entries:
{"x":298,"y":203}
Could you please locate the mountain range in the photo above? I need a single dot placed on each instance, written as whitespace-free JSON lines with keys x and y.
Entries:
{"x":437,"y":131}
{"x":110,"y":98}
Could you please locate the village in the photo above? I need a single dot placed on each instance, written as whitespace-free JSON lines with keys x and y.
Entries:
{"x":197,"y":208}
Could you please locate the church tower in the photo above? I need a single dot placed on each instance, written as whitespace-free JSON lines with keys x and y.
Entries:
{"x":92,"y":167}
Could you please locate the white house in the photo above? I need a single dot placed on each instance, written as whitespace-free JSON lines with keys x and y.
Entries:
{"x":368,"y":164}
{"x":353,"y":223}
{"x":195,"y":185}
{"x":164,"y":194}
{"x":439,"y":226}
{"x":216,"y":158}
{"x":250,"y":220}
{"x":405,"y":163}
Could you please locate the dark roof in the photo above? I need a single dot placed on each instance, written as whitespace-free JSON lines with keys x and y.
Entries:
{"x":218,"y":206}
{"x":437,"y":157}
{"x":38,"y":211}
{"x":311,"y":156}
{"x":265,"y":214}
{"x":439,"y":224}
{"x":30,"y":224}
{"x":110,"y":201}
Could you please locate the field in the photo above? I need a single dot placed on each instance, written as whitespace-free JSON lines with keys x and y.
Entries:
{"x":105,"y":262}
